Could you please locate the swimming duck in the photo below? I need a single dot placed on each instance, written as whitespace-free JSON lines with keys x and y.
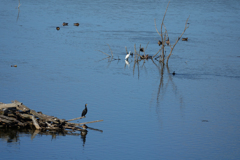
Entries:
{"x":185,"y":39}
{"x":76,"y":24}
{"x":57,"y":28}
{"x":65,"y":24}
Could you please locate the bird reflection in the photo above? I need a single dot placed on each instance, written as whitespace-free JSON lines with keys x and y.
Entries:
{"x":84,"y":133}
{"x":127,"y":63}
{"x":83,"y":136}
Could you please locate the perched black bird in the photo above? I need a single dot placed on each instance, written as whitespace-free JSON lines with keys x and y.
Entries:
{"x":141,"y":49}
{"x":84,"y":112}
{"x":168,"y":41}
{"x":159,"y":42}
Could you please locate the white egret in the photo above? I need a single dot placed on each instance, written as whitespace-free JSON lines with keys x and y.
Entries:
{"x":127,"y":56}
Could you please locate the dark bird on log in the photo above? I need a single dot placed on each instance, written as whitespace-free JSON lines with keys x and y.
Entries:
{"x":84,"y":112}
{"x":142,"y":49}
{"x":159,"y":42}
{"x":65,"y":24}
{"x":57,"y":28}
{"x":76,"y":24}
{"x":173,"y":73}
{"x":185,"y":39}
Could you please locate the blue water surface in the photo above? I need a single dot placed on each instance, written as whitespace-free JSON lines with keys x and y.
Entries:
{"x":191,"y":115}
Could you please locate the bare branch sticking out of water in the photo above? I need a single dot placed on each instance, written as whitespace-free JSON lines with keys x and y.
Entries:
{"x":185,"y":28}
{"x":18,"y":4}
{"x":145,"y":49}
{"x":104,"y":53}
{"x":157,"y":53}
{"x":76,"y":118}
{"x":126,"y":50}
{"x":18,"y":7}
{"x":110,"y":49}
{"x":90,"y":122}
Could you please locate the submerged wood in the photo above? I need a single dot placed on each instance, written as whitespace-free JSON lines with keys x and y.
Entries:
{"x":16,"y":114}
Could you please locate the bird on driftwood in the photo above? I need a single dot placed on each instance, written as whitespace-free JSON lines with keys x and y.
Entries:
{"x":84,"y":112}
{"x":168,"y":42}
{"x":159,"y":42}
{"x":141,"y":49}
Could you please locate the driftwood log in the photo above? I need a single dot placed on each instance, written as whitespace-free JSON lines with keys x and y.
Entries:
{"x":16,"y":114}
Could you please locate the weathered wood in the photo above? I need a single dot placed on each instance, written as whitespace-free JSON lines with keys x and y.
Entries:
{"x":16,"y":114}
{"x":8,"y":105}
{"x":90,"y":122}
{"x":35,"y":123}
{"x":27,"y":116}
{"x":79,"y":124}
{"x":76,"y":118}
{"x":12,"y":119}
{"x":5,"y":120}
{"x":21,"y":106}
{"x":44,"y":117}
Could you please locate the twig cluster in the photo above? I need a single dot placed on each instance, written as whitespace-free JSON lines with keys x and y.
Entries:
{"x":164,"y":42}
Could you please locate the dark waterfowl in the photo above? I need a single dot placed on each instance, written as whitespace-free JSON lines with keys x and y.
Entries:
{"x":167,"y":41}
{"x":84,"y":126}
{"x":159,"y":42}
{"x":145,"y":57}
{"x":185,"y":39}
{"x":142,"y":49}
{"x":84,"y":112}
{"x":76,"y":24}
{"x":13,"y":65}
{"x":57,"y":28}
{"x":173,"y":73}
{"x":65,"y":24}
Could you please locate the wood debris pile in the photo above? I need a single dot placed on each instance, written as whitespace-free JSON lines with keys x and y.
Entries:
{"x":16,"y":114}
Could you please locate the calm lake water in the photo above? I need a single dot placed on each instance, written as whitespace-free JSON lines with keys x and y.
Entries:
{"x":192,"y":115}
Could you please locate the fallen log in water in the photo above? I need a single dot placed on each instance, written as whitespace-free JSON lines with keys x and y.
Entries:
{"x":16,"y":114}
